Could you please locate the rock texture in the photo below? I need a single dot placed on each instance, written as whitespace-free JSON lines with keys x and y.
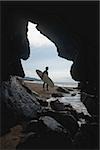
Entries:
{"x":91,"y":103}
{"x":86,"y":137}
{"x":16,"y":103}
{"x":51,"y":134}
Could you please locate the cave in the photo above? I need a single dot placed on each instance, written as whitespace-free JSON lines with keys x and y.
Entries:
{"x":72,"y":26}
{"x":43,"y":53}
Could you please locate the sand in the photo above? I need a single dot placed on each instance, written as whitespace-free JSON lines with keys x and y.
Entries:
{"x":38,"y":88}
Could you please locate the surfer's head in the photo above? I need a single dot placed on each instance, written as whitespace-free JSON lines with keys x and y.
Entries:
{"x":47,"y":68}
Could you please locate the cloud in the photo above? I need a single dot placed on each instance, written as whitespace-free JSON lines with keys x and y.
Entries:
{"x":37,"y":39}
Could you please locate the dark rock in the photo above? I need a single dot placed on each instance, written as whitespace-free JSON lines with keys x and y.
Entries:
{"x":57,"y":95}
{"x":66,"y":119}
{"x":35,"y":94}
{"x":69,"y":89}
{"x":26,"y":141}
{"x":62,"y":89}
{"x":91,"y":103}
{"x":52,"y":124}
{"x":81,"y":115}
{"x":42,"y":101}
{"x":51,"y":135}
{"x":68,"y":105}
{"x":74,"y":113}
{"x":57,"y":105}
{"x":73,"y":94}
{"x":17,"y":103}
{"x":87,"y":137}
{"x":32,"y":126}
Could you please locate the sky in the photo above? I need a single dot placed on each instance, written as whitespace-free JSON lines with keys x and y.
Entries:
{"x":43,"y":53}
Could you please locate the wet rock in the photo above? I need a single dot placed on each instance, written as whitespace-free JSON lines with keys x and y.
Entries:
{"x":91,"y":103}
{"x":81,"y":115}
{"x":70,"y":89}
{"x":32,"y":126}
{"x":51,"y":135}
{"x":68,"y":105}
{"x":89,"y":119}
{"x":62,"y":89}
{"x":57,"y":95}
{"x":26,"y":141}
{"x":17,"y":103}
{"x":66,"y":119}
{"x":52,"y":124}
{"x":73,"y":94}
{"x":33,"y":93}
{"x":87,"y":137}
{"x":42,"y":102}
{"x":57,"y":105}
{"x":74,"y":113}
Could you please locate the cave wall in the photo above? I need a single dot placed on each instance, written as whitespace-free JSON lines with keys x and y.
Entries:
{"x":72,"y":26}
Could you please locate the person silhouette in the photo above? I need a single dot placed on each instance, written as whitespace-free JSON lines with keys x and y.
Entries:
{"x":45,"y":72}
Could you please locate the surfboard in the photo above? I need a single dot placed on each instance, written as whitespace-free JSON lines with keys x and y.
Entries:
{"x":45,"y":78}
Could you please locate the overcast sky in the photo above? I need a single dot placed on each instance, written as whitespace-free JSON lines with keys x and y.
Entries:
{"x":44,"y":53}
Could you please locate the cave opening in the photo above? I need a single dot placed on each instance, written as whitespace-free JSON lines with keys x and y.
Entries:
{"x":44,"y":53}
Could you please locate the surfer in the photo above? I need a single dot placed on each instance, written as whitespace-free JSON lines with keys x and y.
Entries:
{"x":45,"y":72}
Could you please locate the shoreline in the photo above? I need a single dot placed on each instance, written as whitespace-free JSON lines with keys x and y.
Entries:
{"x":38,"y":88}
{"x":61,"y":84}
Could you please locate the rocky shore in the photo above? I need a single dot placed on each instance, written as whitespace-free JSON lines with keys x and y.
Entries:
{"x":30,"y":121}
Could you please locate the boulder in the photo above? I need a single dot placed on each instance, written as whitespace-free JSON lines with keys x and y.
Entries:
{"x":57,"y":95}
{"x":87,"y":137}
{"x":62,"y":89}
{"x":73,"y":94}
{"x":66,"y":119}
{"x":91,"y":103}
{"x":42,"y":101}
{"x":52,"y":124}
{"x":31,"y":126}
{"x":17,"y":103}
{"x":51,"y":135}
{"x":57,"y":105}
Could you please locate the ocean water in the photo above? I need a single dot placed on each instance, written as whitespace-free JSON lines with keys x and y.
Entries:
{"x":66,"y":84}
{"x":74,"y":101}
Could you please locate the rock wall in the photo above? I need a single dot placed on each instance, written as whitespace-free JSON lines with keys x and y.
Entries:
{"x":72,"y":26}
{"x":17,"y":103}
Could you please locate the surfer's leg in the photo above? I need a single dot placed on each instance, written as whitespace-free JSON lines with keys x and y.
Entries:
{"x":47,"y":87}
{"x":43,"y":85}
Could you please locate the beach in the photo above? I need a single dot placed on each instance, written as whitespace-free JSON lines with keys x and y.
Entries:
{"x":72,"y":97}
{"x":38,"y":87}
